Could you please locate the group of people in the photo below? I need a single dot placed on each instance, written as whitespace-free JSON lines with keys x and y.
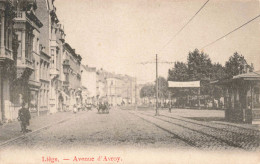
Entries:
{"x":83,"y":107}
{"x":103,"y":106}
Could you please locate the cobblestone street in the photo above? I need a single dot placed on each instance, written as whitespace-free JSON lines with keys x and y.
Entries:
{"x":134,"y":129}
{"x":129,"y":134}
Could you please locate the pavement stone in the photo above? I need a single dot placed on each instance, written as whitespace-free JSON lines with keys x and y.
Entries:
{"x":12,"y":130}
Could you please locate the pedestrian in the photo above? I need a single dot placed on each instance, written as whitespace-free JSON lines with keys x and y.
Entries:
{"x":24,"y":117}
{"x":75,"y":109}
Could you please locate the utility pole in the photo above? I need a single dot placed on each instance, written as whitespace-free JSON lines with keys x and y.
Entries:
{"x":199,"y":98}
{"x":156,"y":109}
{"x":135,"y":94}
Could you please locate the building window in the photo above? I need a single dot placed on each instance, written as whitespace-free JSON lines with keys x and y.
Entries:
{"x":57,"y":58}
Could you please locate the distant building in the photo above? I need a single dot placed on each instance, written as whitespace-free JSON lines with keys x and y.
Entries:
{"x":72,"y":78}
{"x":88,"y":84}
{"x":118,"y":89}
{"x":114,"y":90}
{"x":101,"y":85}
{"x":129,"y":89}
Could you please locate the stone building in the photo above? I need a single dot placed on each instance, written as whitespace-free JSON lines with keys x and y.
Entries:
{"x":8,"y":56}
{"x":101,"y":85}
{"x":52,"y":39}
{"x":27,"y":26}
{"x":116,"y":89}
{"x":72,"y":78}
{"x":88,"y":84}
{"x":129,"y":89}
{"x":45,"y":82}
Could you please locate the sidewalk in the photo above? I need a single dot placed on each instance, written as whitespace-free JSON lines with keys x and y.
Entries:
{"x":213,"y":116}
{"x":12,"y":130}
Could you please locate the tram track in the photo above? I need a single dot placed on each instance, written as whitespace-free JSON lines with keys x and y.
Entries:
{"x":242,"y":134}
{"x":192,"y":128}
{"x":197,"y":122}
{"x":201,"y":132}
{"x":21,"y":137}
{"x":187,"y":141}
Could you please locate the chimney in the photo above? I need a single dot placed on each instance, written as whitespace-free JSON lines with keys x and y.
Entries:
{"x":252,"y":67}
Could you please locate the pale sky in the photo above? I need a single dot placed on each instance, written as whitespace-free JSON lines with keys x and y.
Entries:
{"x":119,"y":34}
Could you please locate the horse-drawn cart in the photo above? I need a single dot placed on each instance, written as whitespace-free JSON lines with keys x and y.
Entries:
{"x":103,"y":108}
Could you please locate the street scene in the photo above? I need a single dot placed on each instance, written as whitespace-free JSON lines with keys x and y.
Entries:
{"x":136,"y":129}
{"x":118,"y":81}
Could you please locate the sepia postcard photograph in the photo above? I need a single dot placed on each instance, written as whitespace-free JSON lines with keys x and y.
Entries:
{"x":129,"y":81}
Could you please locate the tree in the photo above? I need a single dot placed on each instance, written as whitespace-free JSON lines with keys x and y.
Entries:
{"x":163,"y":87}
{"x":218,"y":72}
{"x":147,"y":91}
{"x":236,"y":64}
{"x":179,"y":72}
{"x":199,"y":65}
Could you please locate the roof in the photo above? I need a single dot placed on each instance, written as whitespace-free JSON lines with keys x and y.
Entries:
{"x":250,"y":76}
{"x":255,"y":74}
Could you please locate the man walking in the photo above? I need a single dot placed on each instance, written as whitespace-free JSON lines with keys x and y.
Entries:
{"x":24,"y":117}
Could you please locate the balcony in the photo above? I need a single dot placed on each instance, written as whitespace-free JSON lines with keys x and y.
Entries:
{"x":7,"y":54}
{"x":65,"y":83}
{"x":34,"y":84}
{"x":66,"y":66}
{"x":23,"y":16}
{"x":62,"y":37}
{"x":20,"y":15}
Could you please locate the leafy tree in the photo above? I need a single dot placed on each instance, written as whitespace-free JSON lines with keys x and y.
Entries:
{"x":163,"y":87}
{"x":147,"y":91}
{"x":218,"y":72}
{"x":236,"y":64}
{"x":199,"y":65}
{"x":179,"y":72}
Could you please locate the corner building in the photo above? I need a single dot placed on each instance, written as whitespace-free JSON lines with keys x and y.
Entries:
{"x":8,"y":57}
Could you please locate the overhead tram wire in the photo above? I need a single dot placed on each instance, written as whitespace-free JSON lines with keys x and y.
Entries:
{"x":143,"y":63}
{"x":184,"y":26}
{"x":157,"y":87}
{"x":230,"y":32}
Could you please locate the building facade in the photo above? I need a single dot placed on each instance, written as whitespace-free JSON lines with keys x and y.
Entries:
{"x":116,"y":89}
{"x":72,"y":78}
{"x":44,"y":82}
{"x":52,"y":38}
{"x":101,"y":86}
{"x":8,"y":57}
{"x":88,"y":84}
{"x":27,"y":26}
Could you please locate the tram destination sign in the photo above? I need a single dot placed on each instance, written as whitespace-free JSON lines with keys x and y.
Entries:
{"x":183,"y":84}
